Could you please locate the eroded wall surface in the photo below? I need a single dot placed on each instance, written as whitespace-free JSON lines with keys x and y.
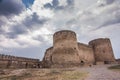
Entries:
{"x":86,"y":54}
{"x":7,"y":61}
{"x":102,"y":50}
{"x":65,"y":48}
{"x":67,"y":52}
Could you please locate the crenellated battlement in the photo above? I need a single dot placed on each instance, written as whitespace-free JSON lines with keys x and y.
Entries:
{"x":64,"y":35}
{"x":9,"y":61}
{"x":15,"y":58}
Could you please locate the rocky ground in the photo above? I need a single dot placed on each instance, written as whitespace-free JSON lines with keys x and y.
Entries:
{"x":99,"y":72}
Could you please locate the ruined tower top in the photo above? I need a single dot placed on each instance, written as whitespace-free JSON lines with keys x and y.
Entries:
{"x":64,"y":31}
{"x":99,"y":41}
{"x":64,"y":36}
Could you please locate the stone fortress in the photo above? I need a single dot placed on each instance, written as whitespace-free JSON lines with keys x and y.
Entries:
{"x":8,"y":61}
{"x":67,"y":52}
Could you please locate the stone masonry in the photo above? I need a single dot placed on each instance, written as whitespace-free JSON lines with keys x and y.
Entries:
{"x":67,"y":52}
{"x":8,"y":61}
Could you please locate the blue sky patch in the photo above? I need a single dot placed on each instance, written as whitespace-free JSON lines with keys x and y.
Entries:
{"x":28,"y":3}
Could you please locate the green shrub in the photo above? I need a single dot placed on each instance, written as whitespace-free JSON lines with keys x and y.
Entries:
{"x":114,"y":67}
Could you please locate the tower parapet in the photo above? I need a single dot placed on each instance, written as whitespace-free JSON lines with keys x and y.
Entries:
{"x":64,"y":36}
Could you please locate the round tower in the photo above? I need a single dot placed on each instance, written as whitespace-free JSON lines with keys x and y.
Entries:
{"x":65,"y":50}
{"x":102,"y":50}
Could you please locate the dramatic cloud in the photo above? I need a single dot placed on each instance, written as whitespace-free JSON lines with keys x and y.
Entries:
{"x":33,"y":20}
{"x":60,"y":4}
{"x":30,"y":30}
{"x":8,"y":9}
{"x":11,"y":7}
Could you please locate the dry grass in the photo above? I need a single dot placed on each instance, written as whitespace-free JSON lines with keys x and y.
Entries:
{"x":9,"y":75}
{"x":73,"y":75}
{"x":46,"y":74}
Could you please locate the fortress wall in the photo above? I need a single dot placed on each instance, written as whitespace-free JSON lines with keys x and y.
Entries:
{"x":3,"y":64}
{"x":103,"y":50}
{"x":65,"y":49}
{"x":7,"y":61}
{"x":47,"y":60}
{"x":86,"y":53}
{"x":48,"y":54}
{"x":67,"y":52}
{"x":65,"y":56}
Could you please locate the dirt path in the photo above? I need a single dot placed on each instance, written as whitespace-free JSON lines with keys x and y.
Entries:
{"x":100,"y":72}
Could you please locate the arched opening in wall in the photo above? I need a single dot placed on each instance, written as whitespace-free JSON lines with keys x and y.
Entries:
{"x":106,"y":62}
{"x":82,"y":62}
{"x":103,"y":51}
{"x":9,"y":63}
{"x":74,"y":48}
{"x":26,"y":65}
{"x":38,"y":65}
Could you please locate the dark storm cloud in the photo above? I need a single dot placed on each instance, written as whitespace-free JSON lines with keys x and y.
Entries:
{"x":15,"y":31}
{"x":39,"y":38}
{"x":10,"y":7}
{"x":34,"y":19}
{"x":1,"y":31}
{"x":55,"y":5}
{"x":111,"y":22}
{"x":70,"y":2}
{"x":109,"y":1}
{"x":29,"y":23}
{"x":1,"y":22}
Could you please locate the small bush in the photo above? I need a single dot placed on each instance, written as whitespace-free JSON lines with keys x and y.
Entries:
{"x":114,"y":67}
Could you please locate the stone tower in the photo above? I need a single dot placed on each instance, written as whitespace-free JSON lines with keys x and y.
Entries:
{"x":102,"y":49}
{"x":65,"y":48}
{"x":67,"y":52}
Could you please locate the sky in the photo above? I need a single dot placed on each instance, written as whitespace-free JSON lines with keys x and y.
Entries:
{"x":27,"y":26}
